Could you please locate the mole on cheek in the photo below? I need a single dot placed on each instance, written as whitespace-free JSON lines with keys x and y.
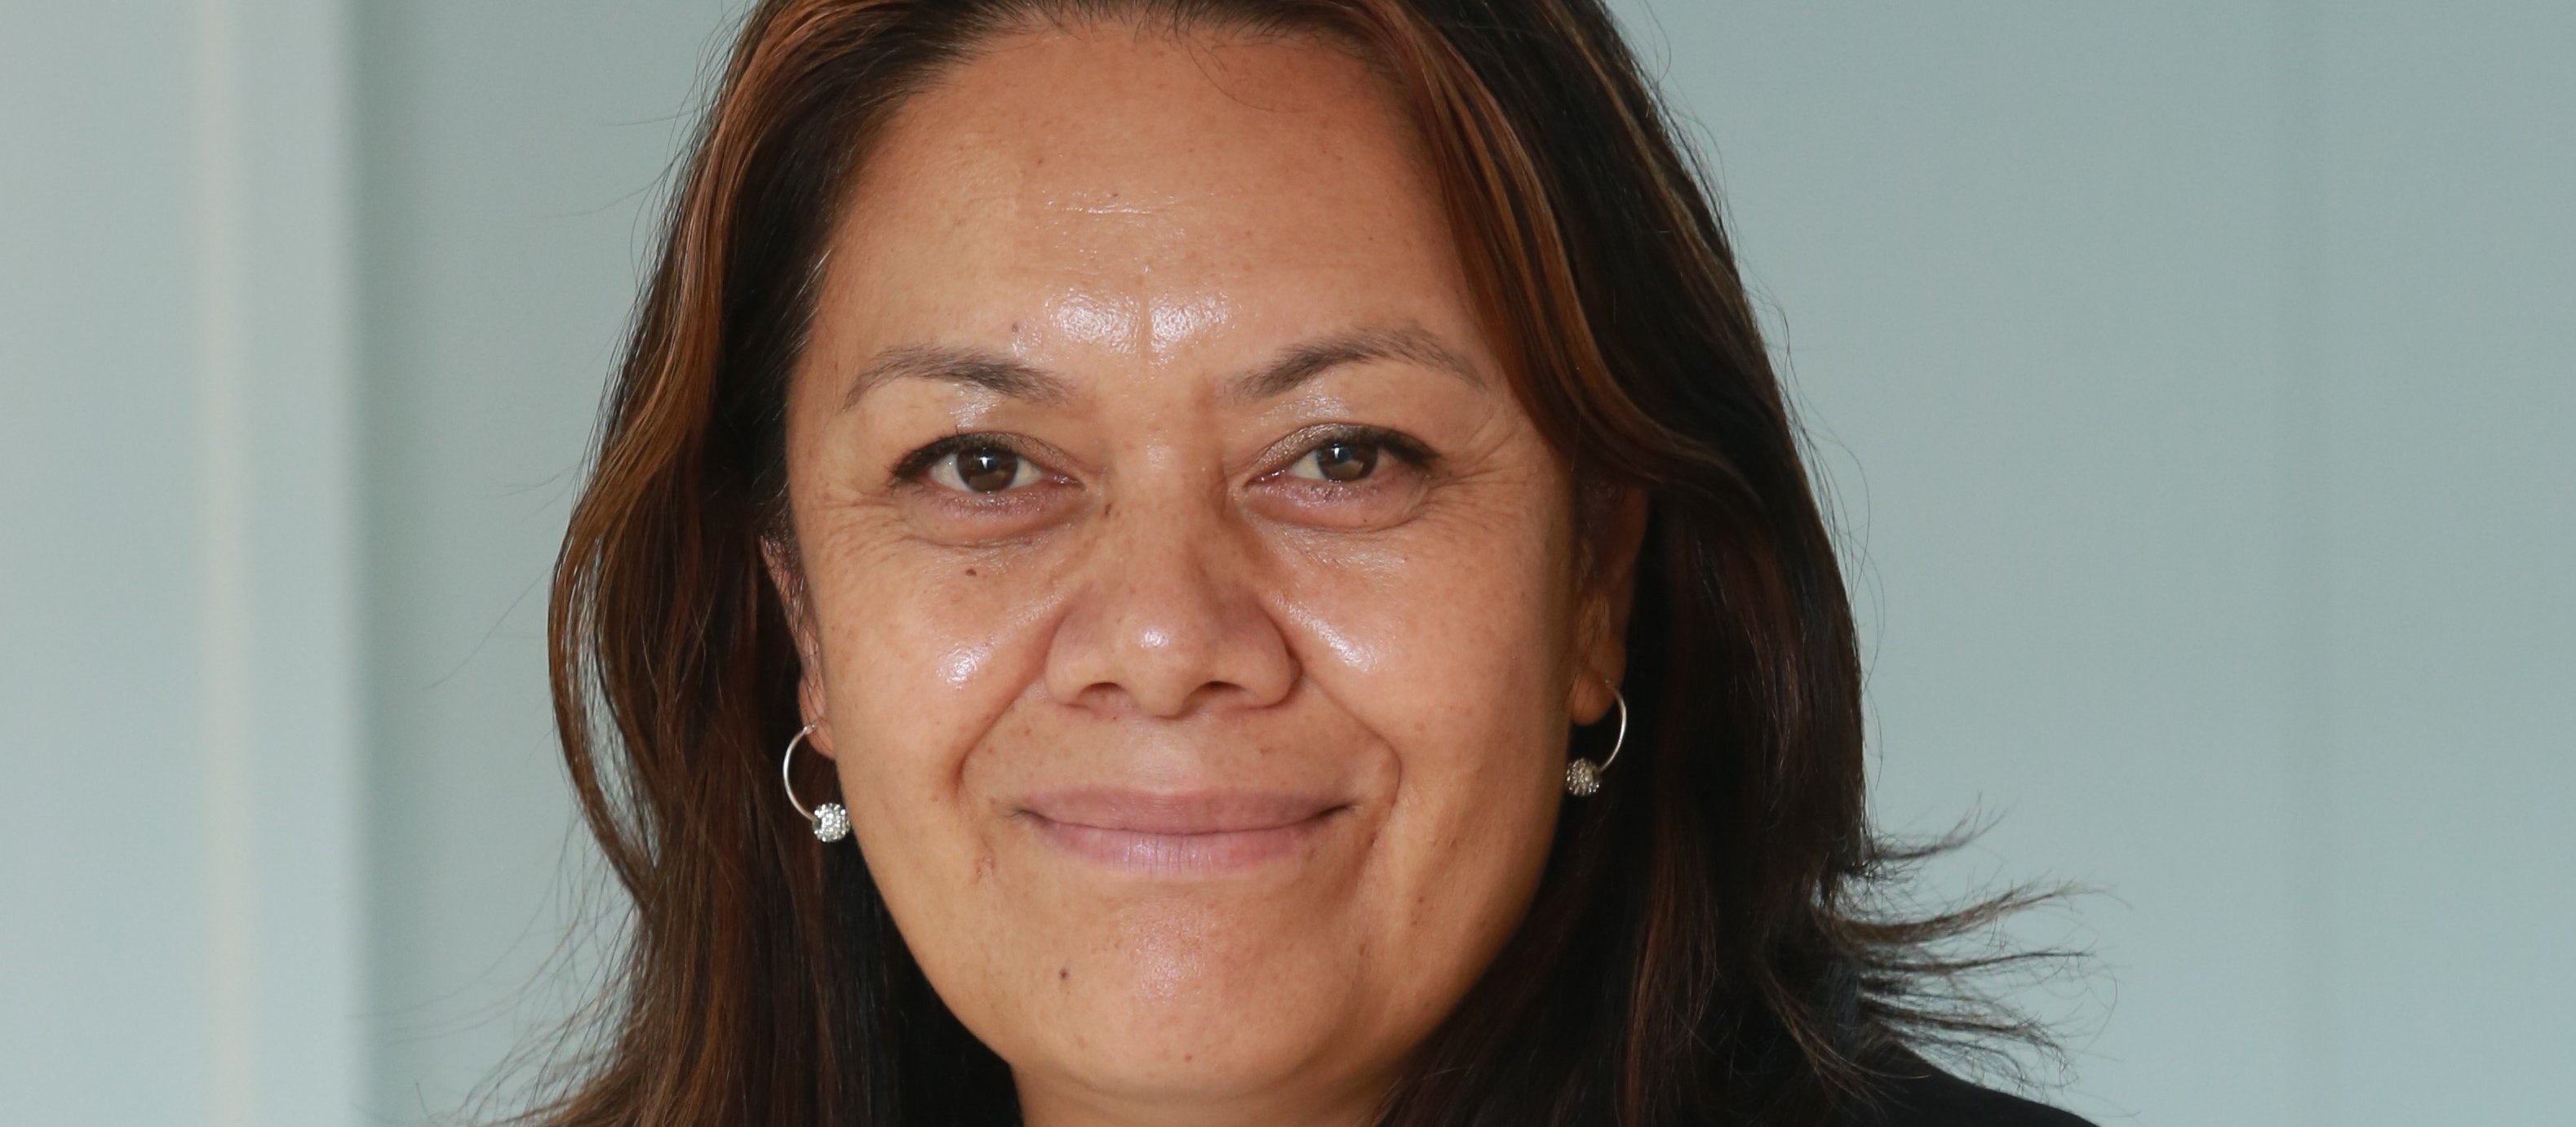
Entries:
{"x":970,"y":573}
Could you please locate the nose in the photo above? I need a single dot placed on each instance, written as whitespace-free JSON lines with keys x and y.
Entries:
{"x":1168,"y":619}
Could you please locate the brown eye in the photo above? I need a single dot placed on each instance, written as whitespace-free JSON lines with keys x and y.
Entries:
{"x":983,"y":469}
{"x":1340,"y":460}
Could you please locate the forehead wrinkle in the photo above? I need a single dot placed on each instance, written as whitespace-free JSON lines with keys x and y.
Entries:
{"x":1306,"y":360}
{"x":974,"y":368}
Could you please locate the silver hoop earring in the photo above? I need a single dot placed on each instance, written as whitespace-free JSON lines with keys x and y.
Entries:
{"x":831,"y":822}
{"x":1582,"y":779}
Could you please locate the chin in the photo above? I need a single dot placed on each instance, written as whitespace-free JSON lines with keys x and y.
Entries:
{"x":1194,"y":1005}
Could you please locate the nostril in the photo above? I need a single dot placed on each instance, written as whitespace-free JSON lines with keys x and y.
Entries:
{"x":1165,"y":627}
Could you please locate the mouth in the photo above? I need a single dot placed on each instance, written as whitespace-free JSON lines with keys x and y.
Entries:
{"x":1192,"y":834}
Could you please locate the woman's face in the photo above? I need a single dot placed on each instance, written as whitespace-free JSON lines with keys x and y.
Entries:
{"x":1190,"y":607}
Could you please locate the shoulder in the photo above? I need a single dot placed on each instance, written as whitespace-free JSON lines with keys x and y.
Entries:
{"x":1918,"y":1095}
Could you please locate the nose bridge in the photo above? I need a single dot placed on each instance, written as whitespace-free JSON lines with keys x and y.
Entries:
{"x":1169,"y":614}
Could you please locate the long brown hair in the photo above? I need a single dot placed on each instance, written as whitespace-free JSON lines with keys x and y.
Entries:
{"x":1700,"y":949}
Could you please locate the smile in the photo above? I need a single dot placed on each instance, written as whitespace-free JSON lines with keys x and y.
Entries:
{"x":1197,"y":834}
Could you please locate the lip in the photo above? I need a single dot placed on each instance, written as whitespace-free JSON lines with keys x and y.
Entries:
{"x":1196,"y":833}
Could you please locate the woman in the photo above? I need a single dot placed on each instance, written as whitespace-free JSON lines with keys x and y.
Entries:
{"x":1270,"y":525}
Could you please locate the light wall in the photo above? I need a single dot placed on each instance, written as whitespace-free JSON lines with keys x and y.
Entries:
{"x":181,"y":923}
{"x":511,"y":159}
{"x":2192,"y":380}
{"x":2198,"y":382}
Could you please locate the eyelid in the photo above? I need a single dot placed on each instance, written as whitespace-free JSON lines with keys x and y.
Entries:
{"x":915,"y":466}
{"x":1306,"y":440}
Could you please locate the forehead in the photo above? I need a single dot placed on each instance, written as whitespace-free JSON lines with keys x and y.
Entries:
{"x":1132,"y":179}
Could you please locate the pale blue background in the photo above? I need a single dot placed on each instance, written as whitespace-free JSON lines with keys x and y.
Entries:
{"x":2192,"y":380}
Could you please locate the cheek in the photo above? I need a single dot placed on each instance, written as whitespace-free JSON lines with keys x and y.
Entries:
{"x":1451,"y":639}
{"x":926,"y":653}
{"x":1452,"y":646}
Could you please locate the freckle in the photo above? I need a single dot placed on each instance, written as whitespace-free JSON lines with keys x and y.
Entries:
{"x":970,"y":573}
{"x":1063,"y":974}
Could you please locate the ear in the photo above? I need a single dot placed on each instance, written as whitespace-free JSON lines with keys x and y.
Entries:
{"x":1609,"y":592}
{"x":787,"y":575}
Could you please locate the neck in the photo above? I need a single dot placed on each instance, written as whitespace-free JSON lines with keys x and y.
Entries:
{"x":1049,"y":1102}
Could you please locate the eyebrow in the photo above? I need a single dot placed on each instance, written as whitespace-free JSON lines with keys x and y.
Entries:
{"x":1303,"y":362}
{"x":1002,"y":375}
{"x":965,"y":367}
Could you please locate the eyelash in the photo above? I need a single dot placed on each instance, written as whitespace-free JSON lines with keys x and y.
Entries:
{"x":916,"y":466}
{"x":1403,"y":447}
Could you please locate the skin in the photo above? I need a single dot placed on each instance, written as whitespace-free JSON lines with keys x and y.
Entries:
{"x":1206,"y":761}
